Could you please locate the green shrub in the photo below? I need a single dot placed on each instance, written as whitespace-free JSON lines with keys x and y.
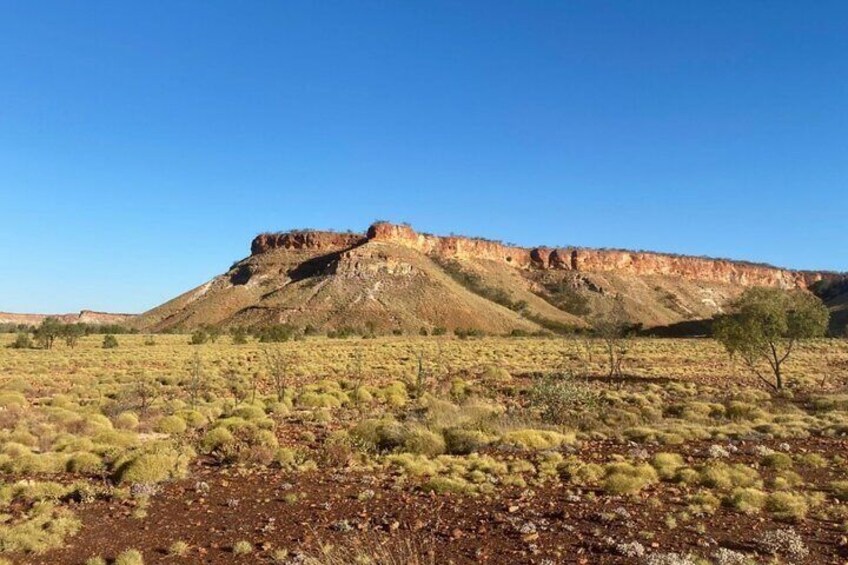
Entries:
{"x":152,"y":465}
{"x":22,"y":341}
{"x":110,"y":341}
{"x":667,"y":464}
{"x":785,"y":479}
{"x":115,"y":439}
{"x":415,"y":465}
{"x":361,"y":395}
{"x":318,"y":400}
{"x":84,"y":463}
{"x":536,"y":439}
{"x":43,"y":528}
{"x":747,"y":500}
{"x":722,"y":476}
{"x":32,"y":463}
{"x":492,"y":374}
{"x":460,"y":389}
{"x":813,"y":460}
{"x":560,"y":398}
{"x":624,"y":478}
{"x":97,"y":422}
{"x":171,"y":425}
{"x":126,"y":421}
{"x":839,"y":490}
{"x":242,"y":547}
{"x":8,"y":399}
{"x":787,"y":506}
{"x":424,"y":442}
{"x":192,"y":418}
{"x":777,"y":460}
{"x":459,"y":441}
{"x":178,"y":549}
{"x":199,"y":337}
{"x":448,"y":485}
{"x":581,"y":473}
{"x":130,"y":557}
{"x":703,"y":503}
{"x":379,"y":435}
{"x":737,"y":410}
{"x":249,"y":412}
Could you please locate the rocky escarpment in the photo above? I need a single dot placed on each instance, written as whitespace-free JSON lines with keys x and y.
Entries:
{"x":83,"y":317}
{"x":392,"y":278}
{"x":308,"y":239}
{"x":630,"y":263}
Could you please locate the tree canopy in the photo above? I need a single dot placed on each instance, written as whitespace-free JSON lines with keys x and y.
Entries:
{"x":765,"y":326}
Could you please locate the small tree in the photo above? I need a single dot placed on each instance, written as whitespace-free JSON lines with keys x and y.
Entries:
{"x":278,"y":370}
{"x":22,"y":341}
{"x":110,"y":341}
{"x":276,"y":333}
{"x":47,"y":332}
{"x":238,"y":335}
{"x":766,"y":325}
{"x":144,"y":392}
{"x":72,"y":334}
{"x":196,"y":384}
{"x":199,"y":337}
{"x":214,"y":333}
{"x":421,"y":382}
{"x":561,"y":398}
{"x":615,"y":330}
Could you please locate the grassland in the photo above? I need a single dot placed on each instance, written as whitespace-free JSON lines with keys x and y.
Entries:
{"x":419,"y":450}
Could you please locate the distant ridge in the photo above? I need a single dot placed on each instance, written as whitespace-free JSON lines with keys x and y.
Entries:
{"x":84,"y":317}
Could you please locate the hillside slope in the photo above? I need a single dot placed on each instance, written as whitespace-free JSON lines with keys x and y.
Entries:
{"x":392,"y":278}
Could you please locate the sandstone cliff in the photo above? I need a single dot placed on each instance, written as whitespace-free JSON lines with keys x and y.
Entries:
{"x":633,"y":263}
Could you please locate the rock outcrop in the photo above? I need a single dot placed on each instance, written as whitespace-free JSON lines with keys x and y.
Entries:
{"x":318,"y":240}
{"x":634,"y":263}
{"x":84,"y":317}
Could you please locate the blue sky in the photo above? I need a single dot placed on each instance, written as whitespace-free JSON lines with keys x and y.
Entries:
{"x":142,"y":145}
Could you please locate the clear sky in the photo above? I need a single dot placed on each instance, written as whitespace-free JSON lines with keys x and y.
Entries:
{"x":143,"y":144}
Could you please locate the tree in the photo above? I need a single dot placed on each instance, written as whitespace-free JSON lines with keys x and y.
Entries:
{"x":614,"y":329}
{"x":47,"y":332}
{"x":765,"y":326}
{"x":199,"y":337}
{"x":72,"y":334}
{"x":195,"y":386}
{"x":276,"y":333}
{"x":278,"y":366}
{"x":144,"y":392}
{"x":214,"y":332}
{"x":238,"y":335}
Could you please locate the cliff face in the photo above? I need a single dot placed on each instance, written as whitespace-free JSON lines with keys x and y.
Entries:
{"x":568,"y":259}
{"x":317,"y":240}
{"x":450,"y":247}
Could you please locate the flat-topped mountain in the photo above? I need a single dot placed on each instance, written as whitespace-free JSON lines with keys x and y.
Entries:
{"x":394,"y":278}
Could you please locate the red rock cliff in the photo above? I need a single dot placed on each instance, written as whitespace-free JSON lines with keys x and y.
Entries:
{"x":304,"y":240}
{"x":576,"y":259}
{"x":450,"y":247}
